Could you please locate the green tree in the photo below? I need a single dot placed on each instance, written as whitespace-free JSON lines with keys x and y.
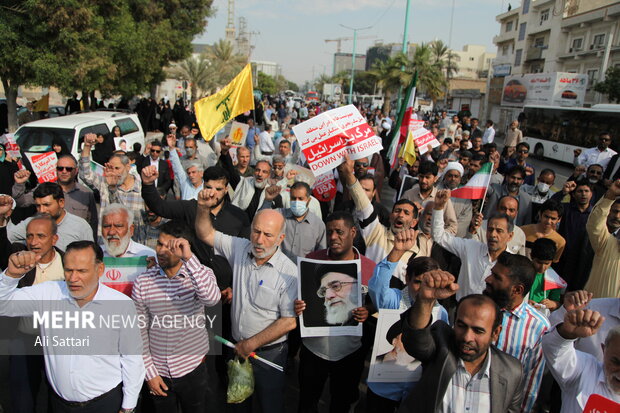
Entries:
{"x":198,"y":72}
{"x":444,"y":57}
{"x":292,"y":86}
{"x":267,"y":84}
{"x":611,"y":85}
{"x":226,"y":62}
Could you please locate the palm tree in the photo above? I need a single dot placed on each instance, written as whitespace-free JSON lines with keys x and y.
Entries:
{"x":430,"y":75}
{"x":198,"y":72}
{"x":388,"y":77}
{"x":226,"y":62}
{"x":320,"y":81}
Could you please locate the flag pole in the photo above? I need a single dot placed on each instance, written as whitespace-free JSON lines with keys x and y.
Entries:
{"x":485,"y":192}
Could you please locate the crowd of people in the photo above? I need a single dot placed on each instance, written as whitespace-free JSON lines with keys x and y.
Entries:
{"x":478,"y":282}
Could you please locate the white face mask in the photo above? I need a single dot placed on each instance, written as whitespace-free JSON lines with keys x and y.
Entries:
{"x":542,"y":187}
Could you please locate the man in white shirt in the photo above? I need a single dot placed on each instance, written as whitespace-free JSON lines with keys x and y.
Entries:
{"x":81,"y":381}
{"x":116,"y":230}
{"x":477,"y":258}
{"x":600,"y":154}
{"x":489,"y":133}
{"x":49,"y":198}
{"x":265,"y":142}
{"x":579,"y":374}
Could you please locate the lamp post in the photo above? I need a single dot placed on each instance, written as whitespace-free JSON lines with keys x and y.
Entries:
{"x":355,"y":30}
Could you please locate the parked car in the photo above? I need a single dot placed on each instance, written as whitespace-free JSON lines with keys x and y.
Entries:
{"x":38,"y":136}
{"x":569,"y":94}
{"x":515,"y":91}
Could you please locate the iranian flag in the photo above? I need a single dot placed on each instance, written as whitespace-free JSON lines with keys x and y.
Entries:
{"x":552,"y":281}
{"x":403,"y":123}
{"x":477,"y":186}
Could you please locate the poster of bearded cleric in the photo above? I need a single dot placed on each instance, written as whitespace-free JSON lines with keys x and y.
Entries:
{"x":331,"y":290}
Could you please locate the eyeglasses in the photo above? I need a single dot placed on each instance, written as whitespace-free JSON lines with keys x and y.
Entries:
{"x":335,"y":286}
{"x":278,"y":167}
{"x":362,"y":164}
{"x":65,"y":168}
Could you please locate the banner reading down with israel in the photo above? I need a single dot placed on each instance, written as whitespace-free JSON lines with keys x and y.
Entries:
{"x":325,"y":138}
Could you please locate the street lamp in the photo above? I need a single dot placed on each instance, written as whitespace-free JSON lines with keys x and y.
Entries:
{"x":353,"y":58}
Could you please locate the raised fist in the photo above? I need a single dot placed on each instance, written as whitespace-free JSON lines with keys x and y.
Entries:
{"x":580,"y":324}
{"x":21,"y":176}
{"x":6,"y":206}
{"x":90,"y":139}
{"x":172,"y":140}
{"x":614,"y":190}
{"x":207,"y":198}
{"x":577,"y":152}
{"x":441,"y":198}
{"x":271,"y":192}
{"x":405,"y":239}
{"x":21,"y":262}
{"x":437,"y":285}
{"x":569,"y":186}
{"x":149,"y":175}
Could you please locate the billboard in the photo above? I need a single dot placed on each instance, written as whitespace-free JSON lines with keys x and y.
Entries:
{"x":548,"y":89}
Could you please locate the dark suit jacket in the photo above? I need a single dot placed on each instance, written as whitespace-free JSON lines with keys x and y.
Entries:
{"x":610,"y":167}
{"x":434,"y":346}
{"x":164,"y":181}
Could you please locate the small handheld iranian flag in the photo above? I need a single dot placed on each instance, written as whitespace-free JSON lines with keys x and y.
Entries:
{"x":552,"y":281}
{"x":120,"y":273}
{"x":477,"y":186}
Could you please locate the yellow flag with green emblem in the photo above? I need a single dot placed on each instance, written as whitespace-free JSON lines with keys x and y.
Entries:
{"x":213,"y":112}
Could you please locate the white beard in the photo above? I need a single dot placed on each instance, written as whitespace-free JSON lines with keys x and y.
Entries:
{"x":116,"y":250}
{"x":339,"y":314}
{"x":260,"y":185}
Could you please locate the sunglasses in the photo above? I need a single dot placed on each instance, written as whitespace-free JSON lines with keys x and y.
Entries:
{"x":362,"y":164}
{"x":65,"y":168}
{"x":155,"y":150}
{"x":524,"y":151}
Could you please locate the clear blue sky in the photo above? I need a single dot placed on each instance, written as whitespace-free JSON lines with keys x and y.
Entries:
{"x":292,"y":32}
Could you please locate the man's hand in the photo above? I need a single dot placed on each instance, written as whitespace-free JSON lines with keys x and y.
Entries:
{"x":21,"y":262}
{"x":225,"y":146}
{"x":579,"y":170}
{"x":346,"y":171}
{"x":243,"y":349}
{"x":90,"y":139}
{"x":577,"y":300}
{"x":147,"y":149}
{"x":149,"y":175}
{"x":580,"y":324}
{"x":529,"y":171}
{"x":614,"y":190}
{"x":172,"y":140}
{"x":6,"y":206}
{"x":441,"y":199}
{"x":21,"y":176}
{"x":181,"y":248}
{"x":257,"y":139}
{"x":405,"y":240}
{"x":300,"y":306}
{"x":476,"y":222}
{"x":360,"y":314}
{"x":550,"y":304}
{"x":569,"y":186}
{"x":291,"y":174}
{"x":227,"y":295}
{"x":494,"y":157}
{"x":437,"y":285}
{"x":110,"y":176}
{"x":577,"y":152}
{"x":207,"y":199}
{"x":271,"y":192}
{"x":157,"y":386}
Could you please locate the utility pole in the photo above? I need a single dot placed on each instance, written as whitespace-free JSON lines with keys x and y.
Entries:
{"x":355,"y":30}
{"x":404,"y":50}
{"x":449,"y":57}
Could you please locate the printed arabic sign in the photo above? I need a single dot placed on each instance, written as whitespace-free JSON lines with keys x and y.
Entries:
{"x":555,"y":89}
{"x":43,"y":165}
{"x":422,"y":138}
{"x":325,"y":138}
{"x":325,"y":187}
{"x":599,"y":404}
{"x":12,"y":149}
{"x":238,"y":133}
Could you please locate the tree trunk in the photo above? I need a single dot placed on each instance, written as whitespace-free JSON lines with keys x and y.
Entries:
{"x":194,"y":92}
{"x":10,"y":90}
{"x":93,"y":100}
{"x":387,"y":103}
{"x":153,"y":91}
{"x":85,"y":100}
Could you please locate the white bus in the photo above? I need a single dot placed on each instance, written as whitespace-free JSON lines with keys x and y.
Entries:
{"x":554,"y":132}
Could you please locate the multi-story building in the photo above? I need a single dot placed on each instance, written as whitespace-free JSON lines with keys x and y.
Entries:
{"x":473,"y":62}
{"x":544,"y":36}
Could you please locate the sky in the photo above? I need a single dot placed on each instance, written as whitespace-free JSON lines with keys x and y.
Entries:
{"x":293,"y":32}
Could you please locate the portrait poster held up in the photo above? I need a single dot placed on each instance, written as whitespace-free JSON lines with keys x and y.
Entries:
{"x":331,"y":291}
{"x":326,"y":138}
{"x":390,"y":363}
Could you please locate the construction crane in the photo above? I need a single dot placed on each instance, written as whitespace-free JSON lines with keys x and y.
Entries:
{"x":342,"y":39}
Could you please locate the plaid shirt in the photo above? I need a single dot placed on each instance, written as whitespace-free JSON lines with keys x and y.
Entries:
{"x":467,"y":394}
{"x":131,"y":199}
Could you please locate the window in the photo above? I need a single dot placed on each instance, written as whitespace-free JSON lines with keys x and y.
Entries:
{"x":592,"y":76}
{"x":101,"y":128}
{"x":127,"y":125}
{"x":598,"y":40}
{"x":509,"y":26}
{"x":471,"y":59}
{"x":526,"y":7}
{"x":504,"y":50}
{"x":539,"y":42}
{"x":577,"y":44}
{"x":544,"y":16}
{"x":522,"y":31}
{"x":518,"y":57}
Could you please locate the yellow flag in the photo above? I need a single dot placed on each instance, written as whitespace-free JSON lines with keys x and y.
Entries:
{"x":43,"y":104}
{"x":213,"y":112}
{"x":408,"y":151}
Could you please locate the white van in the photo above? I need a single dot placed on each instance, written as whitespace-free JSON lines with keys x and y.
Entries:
{"x":38,"y":136}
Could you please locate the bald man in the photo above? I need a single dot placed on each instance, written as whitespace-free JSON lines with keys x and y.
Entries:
{"x":264,"y":290}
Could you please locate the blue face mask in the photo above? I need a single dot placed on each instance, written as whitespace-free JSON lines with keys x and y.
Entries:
{"x":299,"y":208}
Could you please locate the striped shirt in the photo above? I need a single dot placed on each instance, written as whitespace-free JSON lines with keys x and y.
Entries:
{"x":131,"y":199}
{"x":174,"y":350}
{"x":467,"y":394}
{"x":521,"y":337}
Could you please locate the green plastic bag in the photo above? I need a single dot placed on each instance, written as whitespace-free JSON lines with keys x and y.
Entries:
{"x":240,"y":380}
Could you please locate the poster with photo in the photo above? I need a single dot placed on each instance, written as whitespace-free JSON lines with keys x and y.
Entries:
{"x":331,"y":290}
{"x":390,"y":363}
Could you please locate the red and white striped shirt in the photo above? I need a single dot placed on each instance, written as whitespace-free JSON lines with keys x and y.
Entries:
{"x":174,"y":336}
